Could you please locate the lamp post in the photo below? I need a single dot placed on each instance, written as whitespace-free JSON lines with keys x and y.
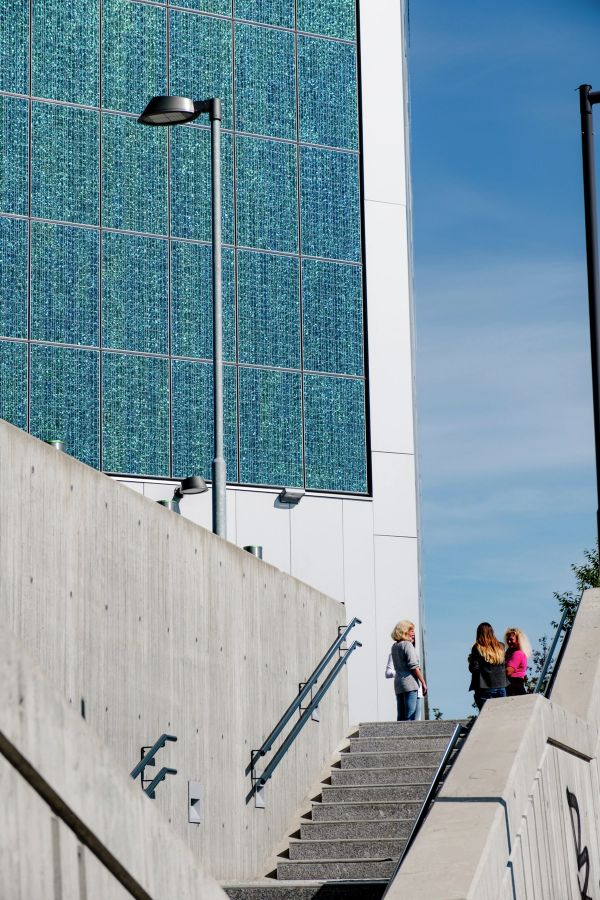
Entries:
{"x":587,"y":99}
{"x":169,"y":111}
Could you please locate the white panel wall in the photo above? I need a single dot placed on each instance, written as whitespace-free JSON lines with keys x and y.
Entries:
{"x":361,"y":551}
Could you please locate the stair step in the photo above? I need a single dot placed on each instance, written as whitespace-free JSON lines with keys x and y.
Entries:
{"x":393,"y":759}
{"x":324,"y":870}
{"x":312,"y":890}
{"x":364,"y":812}
{"x":396,"y":775}
{"x":398,"y":793}
{"x":347,"y":848}
{"x":374,"y":829}
{"x":391,"y":729}
{"x":400,"y":742}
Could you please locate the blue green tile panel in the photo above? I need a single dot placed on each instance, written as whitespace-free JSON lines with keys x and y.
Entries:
{"x":64,"y":399}
{"x":270,"y":12}
{"x":191,"y":215}
{"x":332,"y":317}
{"x":13,"y":382}
{"x":135,"y":293}
{"x":268,"y":309}
{"x":218,"y":7}
{"x":65,"y":163}
{"x":270,"y":427}
{"x":328,"y":101}
{"x":134,"y":175}
{"x":64,"y":284}
{"x":134,"y":65}
{"x":334,"y":19}
{"x":193,"y":448}
{"x":13,"y":277}
{"x":201,"y":59}
{"x":66,"y":50}
{"x":265,"y":81}
{"x":135,"y":414}
{"x":266,"y":199}
{"x":330,"y":201}
{"x":14,"y":46}
{"x":192,"y":303}
{"x":14,"y":140}
{"x":335,"y":434}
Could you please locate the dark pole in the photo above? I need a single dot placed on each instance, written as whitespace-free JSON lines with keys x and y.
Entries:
{"x":587,"y":98}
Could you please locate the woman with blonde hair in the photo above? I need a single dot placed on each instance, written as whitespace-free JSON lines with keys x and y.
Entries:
{"x":518,"y":651}
{"x":408,"y":676}
{"x":486,"y":665}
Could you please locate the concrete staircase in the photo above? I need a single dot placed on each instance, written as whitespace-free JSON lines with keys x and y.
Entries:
{"x":358,"y":826}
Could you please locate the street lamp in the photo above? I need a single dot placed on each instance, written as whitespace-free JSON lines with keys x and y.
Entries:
{"x":169,"y":111}
{"x":587,"y":99}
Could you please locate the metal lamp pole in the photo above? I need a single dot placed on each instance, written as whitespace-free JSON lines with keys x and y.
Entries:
{"x":169,"y":111}
{"x":587,"y":99}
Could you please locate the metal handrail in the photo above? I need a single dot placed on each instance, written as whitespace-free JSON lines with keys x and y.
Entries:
{"x":302,"y":694}
{"x":459,"y":731}
{"x":261,"y":780}
{"x":148,"y":759}
{"x":562,"y":626}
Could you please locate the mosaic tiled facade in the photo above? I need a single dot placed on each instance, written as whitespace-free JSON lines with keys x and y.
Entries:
{"x":105,"y":285}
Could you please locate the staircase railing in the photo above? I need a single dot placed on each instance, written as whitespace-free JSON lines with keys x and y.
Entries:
{"x":460,"y":732}
{"x":545,"y":682}
{"x":306,"y":712}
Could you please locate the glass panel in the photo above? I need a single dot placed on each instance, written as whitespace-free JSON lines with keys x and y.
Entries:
{"x":330,"y":204}
{"x":270,"y":427}
{"x":64,"y":399}
{"x":135,"y":414}
{"x":193,"y":419}
{"x":14,"y":134}
{"x":64,"y":284}
{"x":271,"y":12}
{"x":135,"y":293}
{"x":267,"y":215}
{"x":268,"y":310}
{"x":14,"y":46}
{"x":13,"y":278}
{"x":66,"y":50}
{"x":336,"y":18}
{"x":265,"y":81}
{"x":332,"y":320}
{"x":191,"y":184}
{"x":64,"y":165}
{"x":134,"y":183}
{"x":133,"y":55}
{"x":328,"y":104}
{"x":220,"y":7}
{"x":191,"y":301}
{"x":334,"y":434}
{"x":200,"y":61}
{"x":13,"y":383}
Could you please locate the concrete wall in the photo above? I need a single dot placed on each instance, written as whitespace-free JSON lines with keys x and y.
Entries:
{"x":156,"y":625}
{"x":362,"y":551}
{"x":519,"y":816}
{"x":73,"y":824}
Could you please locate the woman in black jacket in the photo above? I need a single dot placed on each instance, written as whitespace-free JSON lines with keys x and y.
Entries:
{"x":486,"y":665}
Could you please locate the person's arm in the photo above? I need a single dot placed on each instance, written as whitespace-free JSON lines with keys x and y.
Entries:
{"x":473,"y":660}
{"x":389,"y":669}
{"x":416,"y":673}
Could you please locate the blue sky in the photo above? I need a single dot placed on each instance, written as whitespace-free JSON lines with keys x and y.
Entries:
{"x":504,"y":404}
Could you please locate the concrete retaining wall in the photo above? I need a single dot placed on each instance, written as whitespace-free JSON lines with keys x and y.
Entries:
{"x":519,"y":816}
{"x":72,"y":824}
{"x":148,"y":623}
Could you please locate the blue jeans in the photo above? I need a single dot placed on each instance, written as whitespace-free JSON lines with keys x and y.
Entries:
{"x":407,"y":706}
{"x":488,"y":694}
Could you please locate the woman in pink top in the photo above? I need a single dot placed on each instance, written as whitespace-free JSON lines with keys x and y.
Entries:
{"x":518,"y":650}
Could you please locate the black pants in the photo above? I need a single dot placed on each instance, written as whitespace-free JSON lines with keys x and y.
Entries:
{"x":516,"y":687}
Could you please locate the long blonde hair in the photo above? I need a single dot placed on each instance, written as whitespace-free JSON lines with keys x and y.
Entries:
{"x":523,"y":642}
{"x":402,"y":629}
{"x":488,"y":644}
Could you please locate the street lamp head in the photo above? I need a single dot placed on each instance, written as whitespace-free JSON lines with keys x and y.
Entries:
{"x":169,"y":111}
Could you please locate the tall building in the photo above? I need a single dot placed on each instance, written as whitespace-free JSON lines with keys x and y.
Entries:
{"x":105,"y":274}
